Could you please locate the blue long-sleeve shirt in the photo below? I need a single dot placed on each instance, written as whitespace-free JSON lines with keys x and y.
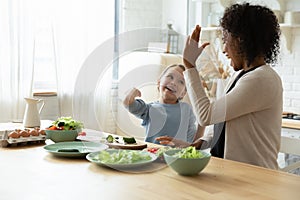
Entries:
{"x":175,"y":120}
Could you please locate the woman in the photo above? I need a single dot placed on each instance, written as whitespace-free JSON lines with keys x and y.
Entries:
{"x":247,"y":120}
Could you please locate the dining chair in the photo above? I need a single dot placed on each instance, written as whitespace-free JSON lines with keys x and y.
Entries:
{"x":290,"y":146}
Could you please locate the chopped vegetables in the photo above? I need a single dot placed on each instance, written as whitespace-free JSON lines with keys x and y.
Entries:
{"x":159,"y":151}
{"x":122,"y":157}
{"x":153,"y":150}
{"x":129,"y":140}
{"x":110,"y":139}
{"x":66,"y":123}
{"x":189,"y":152}
{"x":82,"y":133}
{"x":126,"y":140}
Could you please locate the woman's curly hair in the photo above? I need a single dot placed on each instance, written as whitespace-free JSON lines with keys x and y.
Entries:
{"x":257,"y":28}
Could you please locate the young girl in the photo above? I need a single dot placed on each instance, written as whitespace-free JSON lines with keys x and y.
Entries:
{"x":167,"y":116}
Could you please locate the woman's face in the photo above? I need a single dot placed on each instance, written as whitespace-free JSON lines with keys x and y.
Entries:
{"x":172,"y":85}
{"x":231,"y":50}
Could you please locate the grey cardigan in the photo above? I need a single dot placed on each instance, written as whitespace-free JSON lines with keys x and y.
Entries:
{"x":252,"y":111}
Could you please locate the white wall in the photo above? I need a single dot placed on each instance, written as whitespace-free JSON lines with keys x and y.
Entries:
{"x":289,"y":70}
{"x":159,"y":13}
{"x":175,"y":11}
{"x":289,"y":63}
{"x":140,"y":14}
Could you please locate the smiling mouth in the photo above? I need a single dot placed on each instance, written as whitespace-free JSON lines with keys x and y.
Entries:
{"x":170,"y":89}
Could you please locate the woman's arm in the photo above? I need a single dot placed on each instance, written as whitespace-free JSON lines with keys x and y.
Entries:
{"x":204,"y":142}
{"x":198,"y":137}
{"x":200,"y":132}
{"x":241,"y":100}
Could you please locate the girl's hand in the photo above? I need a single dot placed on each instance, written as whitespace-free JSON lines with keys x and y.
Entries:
{"x":170,"y":141}
{"x":192,"y":50}
{"x":131,"y":95}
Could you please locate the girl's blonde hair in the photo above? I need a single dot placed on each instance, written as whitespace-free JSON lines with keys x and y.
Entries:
{"x":170,"y":66}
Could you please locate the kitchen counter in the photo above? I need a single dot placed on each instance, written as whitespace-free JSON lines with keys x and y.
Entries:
{"x":291,"y":123}
{"x":29,"y":172}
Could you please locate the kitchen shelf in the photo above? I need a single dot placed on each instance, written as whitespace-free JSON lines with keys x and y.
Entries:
{"x":226,"y":3}
{"x":285,"y":28}
{"x":214,"y":28}
{"x":287,"y":33}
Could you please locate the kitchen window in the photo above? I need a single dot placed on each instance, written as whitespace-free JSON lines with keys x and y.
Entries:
{"x":44,"y":60}
{"x":43,"y":47}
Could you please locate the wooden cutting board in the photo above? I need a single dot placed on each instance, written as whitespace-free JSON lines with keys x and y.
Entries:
{"x":138,"y":146}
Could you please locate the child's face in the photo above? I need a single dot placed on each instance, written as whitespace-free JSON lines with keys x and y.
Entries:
{"x":172,"y":85}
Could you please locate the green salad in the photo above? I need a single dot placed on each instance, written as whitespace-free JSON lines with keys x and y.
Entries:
{"x":189,"y":152}
{"x":66,"y":123}
{"x":122,"y":157}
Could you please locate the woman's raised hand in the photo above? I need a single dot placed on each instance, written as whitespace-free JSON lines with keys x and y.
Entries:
{"x":192,"y":50}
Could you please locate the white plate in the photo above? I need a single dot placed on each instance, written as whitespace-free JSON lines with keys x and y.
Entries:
{"x":117,"y":166}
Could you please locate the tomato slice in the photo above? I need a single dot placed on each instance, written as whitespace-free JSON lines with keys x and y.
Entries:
{"x":82,"y":133}
{"x":52,"y":128}
{"x":153,"y":150}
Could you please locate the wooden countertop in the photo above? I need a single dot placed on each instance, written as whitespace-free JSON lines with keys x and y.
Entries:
{"x":29,"y":172}
{"x":291,"y":123}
